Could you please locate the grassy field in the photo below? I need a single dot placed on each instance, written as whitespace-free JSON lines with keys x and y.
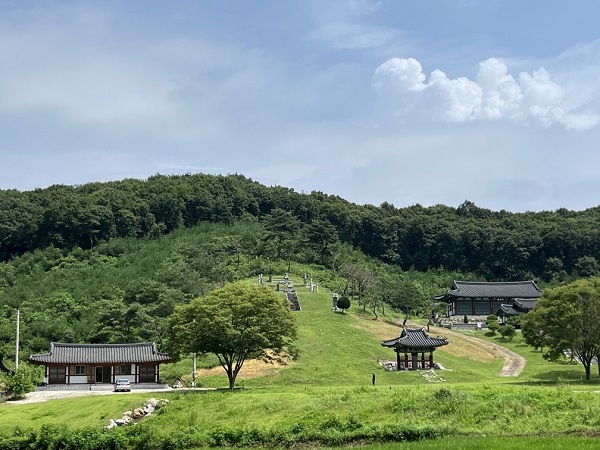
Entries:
{"x":539,"y":371}
{"x":326,"y":396}
{"x":504,"y":443}
{"x":344,"y":350}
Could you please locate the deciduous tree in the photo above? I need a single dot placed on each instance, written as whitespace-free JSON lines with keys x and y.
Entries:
{"x":236,"y":322}
{"x":568,"y":318}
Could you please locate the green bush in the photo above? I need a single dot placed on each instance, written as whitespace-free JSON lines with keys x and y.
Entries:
{"x":507,"y":332}
{"x":19,"y":384}
{"x":343,"y":303}
{"x":492,"y":323}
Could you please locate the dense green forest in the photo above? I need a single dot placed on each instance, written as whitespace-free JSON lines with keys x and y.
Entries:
{"x":495,"y":245}
{"x":108,"y":262}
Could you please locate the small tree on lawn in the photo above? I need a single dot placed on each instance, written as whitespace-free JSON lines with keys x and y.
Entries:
{"x":236,"y":322}
{"x":515,"y":321}
{"x":507,"y":332}
{"x":343,"y":303}
{"x":492,"y":323}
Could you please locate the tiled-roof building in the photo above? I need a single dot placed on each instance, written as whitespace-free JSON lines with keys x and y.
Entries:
{"x":101,"y":363}
{"x":414,"y":342}
{"x":519,"y":306}
{"x":484,"y":298}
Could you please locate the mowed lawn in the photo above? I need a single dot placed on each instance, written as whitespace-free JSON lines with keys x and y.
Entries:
{"x":329,"y":387}
{"x":344,"y":350}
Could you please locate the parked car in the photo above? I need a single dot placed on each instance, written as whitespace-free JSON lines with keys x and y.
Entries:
{"x":122,"y":384}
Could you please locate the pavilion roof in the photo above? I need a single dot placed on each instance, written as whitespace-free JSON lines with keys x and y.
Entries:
{"x":493,"y":289}
{"x":415,"y":339}
{"x":60,"y":353}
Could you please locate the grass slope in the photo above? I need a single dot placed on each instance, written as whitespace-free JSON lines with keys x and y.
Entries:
{"x":344,"y":349}
{"x":326,"y":395}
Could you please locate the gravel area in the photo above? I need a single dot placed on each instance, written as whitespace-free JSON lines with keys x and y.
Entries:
{"x":43,"y":396}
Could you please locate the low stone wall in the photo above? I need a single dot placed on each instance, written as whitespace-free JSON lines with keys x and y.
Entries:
{"x":465,"y":326}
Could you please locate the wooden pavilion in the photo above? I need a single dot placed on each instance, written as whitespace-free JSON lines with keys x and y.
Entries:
{"x":414,"y":342}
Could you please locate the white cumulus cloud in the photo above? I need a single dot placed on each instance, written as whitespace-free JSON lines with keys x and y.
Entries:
{"x":494,"y":95}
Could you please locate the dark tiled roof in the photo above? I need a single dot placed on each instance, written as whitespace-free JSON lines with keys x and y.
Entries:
{"x":415,"y":339}
{"x":483,"y":289}
{"x":525,"y":304}
{"x":520,"y":306}
{"x":507,"y":310}
{"x":100,"y":354}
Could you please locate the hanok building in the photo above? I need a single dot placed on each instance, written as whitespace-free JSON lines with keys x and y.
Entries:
{"x":481,"y":298}
{"x":414,"y":342}
{"x":101,"y":363}
{"x":519,"y":306}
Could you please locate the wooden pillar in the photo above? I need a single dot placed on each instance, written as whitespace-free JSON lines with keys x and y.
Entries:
{"x":405,"y":359}
{"x":431,"y":359}
{"x":397,"y":359}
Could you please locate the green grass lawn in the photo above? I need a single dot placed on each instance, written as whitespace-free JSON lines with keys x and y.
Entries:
{"x":327,"y":392}
{"x":344,"y":349}
{"x":496,"y":443}
{"x":95,"y":410}
{"x":538,"y":370}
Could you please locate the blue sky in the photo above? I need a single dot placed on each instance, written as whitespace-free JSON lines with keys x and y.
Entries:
{"x":496,"y":102}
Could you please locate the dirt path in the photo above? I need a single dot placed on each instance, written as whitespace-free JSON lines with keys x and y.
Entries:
{"x":469,"y":347}
{"x":513,"y":362}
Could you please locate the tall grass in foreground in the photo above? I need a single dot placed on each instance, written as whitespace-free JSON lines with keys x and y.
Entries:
{"x":327,"y":417}
{"x":496,"y":443}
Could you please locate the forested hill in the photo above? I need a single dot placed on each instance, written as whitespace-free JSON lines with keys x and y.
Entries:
{"x":496,"y":245}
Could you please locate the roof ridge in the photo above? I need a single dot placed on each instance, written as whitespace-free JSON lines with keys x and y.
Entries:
{"x":75,"y":344}
{"x":496,"y":282}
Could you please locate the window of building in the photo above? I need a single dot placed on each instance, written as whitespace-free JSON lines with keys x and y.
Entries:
{"x":79,"y":370}
{"x":464,"y":307}
{"x":482,"y":308}
{"x":125,"y":369}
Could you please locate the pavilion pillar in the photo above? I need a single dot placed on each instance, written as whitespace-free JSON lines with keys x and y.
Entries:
{"x":430,"y":359}
{"x":415,"y":361}
{"x":397,"y":359}
{"x":406,"y":360}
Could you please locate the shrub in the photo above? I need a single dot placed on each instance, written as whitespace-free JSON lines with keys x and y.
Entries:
{"x":492,"y":323}
{"x":343,"y":303}
{"x":20,"y":383}
{"x":507,"y":332}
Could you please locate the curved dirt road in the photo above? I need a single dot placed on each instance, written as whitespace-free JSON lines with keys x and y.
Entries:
{"x":513,"y":362}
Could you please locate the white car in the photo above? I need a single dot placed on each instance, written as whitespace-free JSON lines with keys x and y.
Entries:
{"x":122,"y":384}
